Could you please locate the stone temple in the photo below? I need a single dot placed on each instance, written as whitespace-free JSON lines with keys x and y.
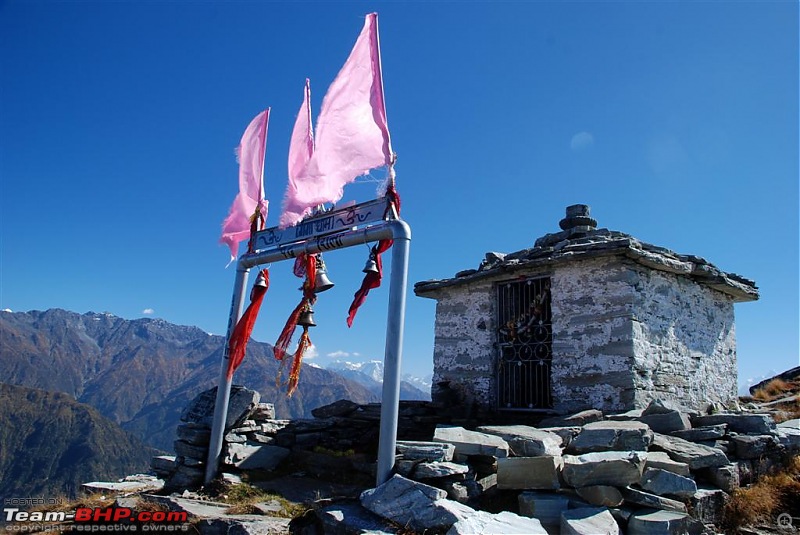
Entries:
{"x":587,"y":318}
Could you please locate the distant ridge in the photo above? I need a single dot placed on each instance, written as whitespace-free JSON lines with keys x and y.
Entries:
{"x":50,"y":444}
{"x":141,"y":373}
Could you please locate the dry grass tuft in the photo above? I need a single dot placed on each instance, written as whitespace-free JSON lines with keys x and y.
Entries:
{"x":243,"y":498}
{"x":763,"y":502}
{"x":775,"y":389}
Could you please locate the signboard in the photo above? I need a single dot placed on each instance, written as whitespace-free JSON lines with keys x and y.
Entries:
{"x":323,"y":224}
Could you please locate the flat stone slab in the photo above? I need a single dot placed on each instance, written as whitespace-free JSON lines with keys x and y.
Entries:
{"x":426,"y":451}
{"x":163,"y":463}
{"x":650,"y":522}
{"x":471,"y":442}
{"x":750,"y":424}
{"x":567,"y":434}
{"x":529,"y":472}
{"x":613,"y":468}
{"x":505,"y":522}
{"x":545,"y":507}
{"x":612,"y":436}
{"x":192,"y":433}
{"x":251,"y":456}
{"x":660,"y":459}
{"x":439,"y":469}
{"x":122,"y":487}
{"x":667,"y":422}
{"x":184,"y":449}
{"x":588,"y":521}
{"x":664,"y":483}
{"x":413,"y":504}
{"x":526,"y":441}
{"x":578,"y":419}
{"x":345,"y":518}
{"x":645,"y":499}
{"x":695,"y":455}
{"x":601,"y":495}
{"x":708,"y":432}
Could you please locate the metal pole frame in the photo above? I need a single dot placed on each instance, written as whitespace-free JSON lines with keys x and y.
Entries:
{"x":394,"y":229}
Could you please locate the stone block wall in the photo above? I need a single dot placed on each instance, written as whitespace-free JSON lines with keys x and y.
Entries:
{"x":684,"y":341}
{"x":593,"y":350}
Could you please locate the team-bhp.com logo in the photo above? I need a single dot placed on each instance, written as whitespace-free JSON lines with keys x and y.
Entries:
{"x":100,"y":519}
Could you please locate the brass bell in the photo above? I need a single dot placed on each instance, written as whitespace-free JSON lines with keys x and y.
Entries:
{"x":371,"y":266}
{"x":322,"y":281}
{"x":306,"y":318}
{"x":261,"y":281}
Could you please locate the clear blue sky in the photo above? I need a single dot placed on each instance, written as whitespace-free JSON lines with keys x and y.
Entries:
{"x":676,"y":121}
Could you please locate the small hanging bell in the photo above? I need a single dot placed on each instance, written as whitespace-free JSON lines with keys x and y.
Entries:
{"x":323,"y":282}
{"x":306,"y":318}
{"x":371,"y":265}
{"x":261,"y":281}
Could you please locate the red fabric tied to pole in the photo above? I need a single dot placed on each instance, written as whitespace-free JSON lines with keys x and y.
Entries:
{"x":373,"y":280}
{"x":244,"y":327}
{"x":285,"y":338}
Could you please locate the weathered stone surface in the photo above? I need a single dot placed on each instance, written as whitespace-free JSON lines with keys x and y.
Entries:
{"x":261,"y":438}
{"x":660,"y":406}
{"x":709,"y":432}
{"x":628,"y":416}
{"x":578,"y":419}
{"x":725,"y":477}
{"x":415,"y":505}
{"x":163,"y":463}
{"x":708,"y":505}
{"x":567,"y":434}
{"x":232,"y":526}
{"x":405,"y":467}
{"x":601,"y":495}
{"x":612,"y":436}
{"x":789,"y":438}
{"x":529,"y":472}
{"x":603,"y":468}
{"x":251,"y":456}
{"x":235,"y":437}
{"x":695,"y":455}
{"x":184,"y":449}
{"x":526,"y":441}
{"x":264,"y":411}
{"x":660,"y":459}
{"x":241,"y":404}
{"x":666,"y":483}
{"x":439,"y":469}
{"x":230,"y":479}
{"x":273,"y":426}
{"x":185,"y":477}
{"x":751,"y":424}
{"x":667,"y":422}
{"x":343,"y":407}
{"x":547,"y":508}
{"x":588,"y":521}
{"x":793,"y":424}
{"x":471,"y":442}
{"x":427,"y":451}
{"x":195,"y":434}
{"x":350,"y":518}
{"x":148,"y":484}
{"x":645,"y":499}
{"x":505,"y":522}
{"x":648,"y":522}
{"x":754,"y":447}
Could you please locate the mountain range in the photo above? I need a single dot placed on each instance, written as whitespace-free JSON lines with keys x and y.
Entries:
{"x":370,"y":375}
{"x":141,"y":373}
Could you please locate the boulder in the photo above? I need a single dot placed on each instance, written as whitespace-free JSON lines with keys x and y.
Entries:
{"x":251,"y":456}
{"x":660,"y":406}
{"x":505,"y":522}
{"x":749,"y":424}
{"x":667,"y":422}
{"x":588,"y":521}
{"x":241,"y":403}
{"x":789,"y":437}
{"x":526,"y":441}
{"x":414,"y":505}
{"x":725,"y":477}
{"x":528,"y":472}
{"x":664,"y":483}
{"x":545,"y":507}
{"x":648,"y":522}
{"x":660,"y":459}
{"x":695,"y":455}
{"x":425,"y":451}
{"x":612,"y":436}
{"x":578,"y":419}
{"x":471,"y":442}
{"x":346,"y":518}
{"x":601,"y":495}
{"x":708,"y":505}
{"x":613,"y":468}
{"x":754,"y":447}
{"x":567,"y":434}
{"x":186,"y":477}
{"x":645,"y":499}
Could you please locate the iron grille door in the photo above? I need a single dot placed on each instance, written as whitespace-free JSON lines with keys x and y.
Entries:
{"x":525,"y":343}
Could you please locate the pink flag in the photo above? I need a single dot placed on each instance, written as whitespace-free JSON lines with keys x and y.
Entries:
{"x":352,"y":134}
{"x":301,"y":148}
{"x":252,"y":147}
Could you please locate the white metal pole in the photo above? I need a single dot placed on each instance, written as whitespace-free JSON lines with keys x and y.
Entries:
{"x":224,"y":385}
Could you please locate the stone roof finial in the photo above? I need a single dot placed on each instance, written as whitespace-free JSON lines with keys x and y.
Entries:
{"x":578,"y":219}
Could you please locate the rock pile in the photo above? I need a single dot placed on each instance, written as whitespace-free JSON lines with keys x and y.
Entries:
{"x":660,"y":470}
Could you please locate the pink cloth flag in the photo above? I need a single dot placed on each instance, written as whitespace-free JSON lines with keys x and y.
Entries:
{"x":352,"y":135}
{"x":301,"y":147}
{"x":250,"y":152}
